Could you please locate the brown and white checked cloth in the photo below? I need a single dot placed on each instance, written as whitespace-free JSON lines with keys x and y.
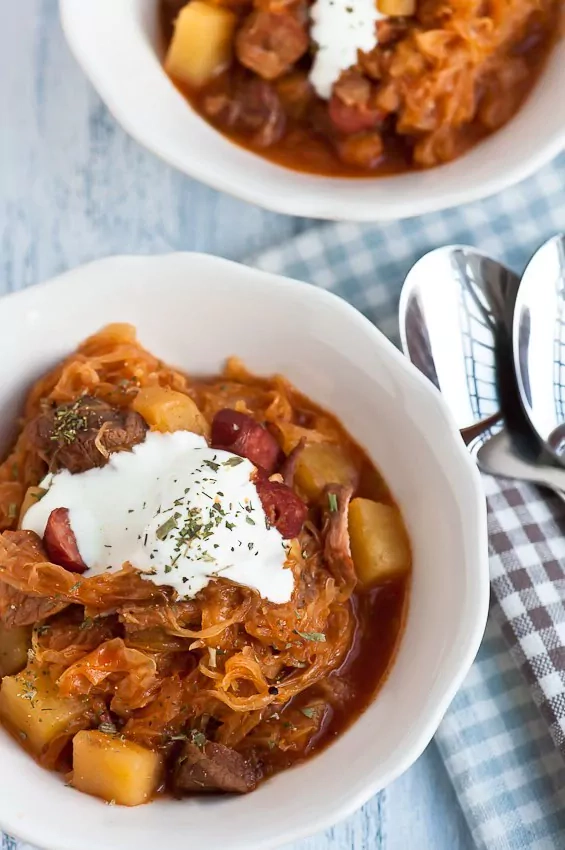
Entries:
{"x":527,"y":566}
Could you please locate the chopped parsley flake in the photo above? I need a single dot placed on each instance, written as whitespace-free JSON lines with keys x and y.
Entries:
{"x":332,"y":500}
{"x":198,"y":738}
{"x":308,"y":712}
{"x":167,"y":527}
{"x":315,"y":636}
{"x":67,"y":423}
{"x":233,"y":461}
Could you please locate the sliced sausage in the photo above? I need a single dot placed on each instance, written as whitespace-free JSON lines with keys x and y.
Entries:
{"x":238,"y":433}
{"x":269,"y":44}
{"x":284,"y":509}
{"x":207,"y":766}
{"x":60,"y":542}
{"x":351,"y":108}
{"x":353,"y":118}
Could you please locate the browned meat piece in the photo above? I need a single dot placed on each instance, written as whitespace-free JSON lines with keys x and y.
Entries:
{"x":205,"y":766}
{"x":296,"y":94}
{"x":370,"y":64}
{"x":270,"y":44}
{"x":363,"y":150}
{"x":252,"y":105}
{"x":81,"y":435}
{"x":335,"y":533}
{"x":391,"y":30}
{"x":288,"y":468}
{"x":25,"y":609}
{"x":351,"y":107}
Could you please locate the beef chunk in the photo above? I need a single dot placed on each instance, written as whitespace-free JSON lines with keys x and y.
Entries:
{"x":82,"y":434}
{"x":213,"y":767}
{"x":335,"y":533}
{"x":18,"y":608}
{"x":25,"y":609}
{"x":269,"y":44}
{"x":251,"y":106}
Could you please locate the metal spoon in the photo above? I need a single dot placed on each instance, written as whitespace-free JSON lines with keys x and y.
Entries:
{"x":539,"y":344}
{"x":455,"y":326}
{"x":500,"y":456}
{"x":456,"y":311}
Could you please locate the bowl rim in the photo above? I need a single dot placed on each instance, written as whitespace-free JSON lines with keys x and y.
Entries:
{"x":474,"y":607}
{"x":317,"y":205}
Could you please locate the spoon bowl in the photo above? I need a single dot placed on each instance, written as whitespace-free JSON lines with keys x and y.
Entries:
{"x":539,"y":344}
{"x":455,"y":318}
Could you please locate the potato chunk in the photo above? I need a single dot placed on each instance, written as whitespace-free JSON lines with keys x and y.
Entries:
{"x":168,"y":410}
{"x":379,"y":543}
{"x":202,"y":43}
{"x":30,"y":704}
{"x":14,"y":644}
{"x":320,"y":464}
{"x":115,"y":769}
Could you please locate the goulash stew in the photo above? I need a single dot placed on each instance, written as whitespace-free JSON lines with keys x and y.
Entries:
{"x":357,"y":87}
{"x":202,"y":581}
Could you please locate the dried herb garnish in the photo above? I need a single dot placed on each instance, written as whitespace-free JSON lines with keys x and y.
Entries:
{"x":167,"y":527}
{"x":315,"y":636}
{"x":67,"y":423}
{"x":198,"y":738}
{"x":308,"y":712}
{"x":233,"y":461}
{"x":332,"y":501}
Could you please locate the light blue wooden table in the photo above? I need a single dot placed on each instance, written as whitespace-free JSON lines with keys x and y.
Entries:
{"x":74,"y":187}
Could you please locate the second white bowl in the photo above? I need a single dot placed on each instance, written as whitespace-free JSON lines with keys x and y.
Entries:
{"x":117,"y":45}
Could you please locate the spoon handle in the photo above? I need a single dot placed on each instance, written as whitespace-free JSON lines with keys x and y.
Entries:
{"x":473,"y":431}
{"x":498,"y":456}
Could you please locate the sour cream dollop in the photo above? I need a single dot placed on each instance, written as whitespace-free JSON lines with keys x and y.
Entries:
{"x":340,"y":28}
{"x":180,"y":512}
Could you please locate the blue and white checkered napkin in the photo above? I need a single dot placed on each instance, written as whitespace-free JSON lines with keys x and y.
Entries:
{"x":503,"y":739}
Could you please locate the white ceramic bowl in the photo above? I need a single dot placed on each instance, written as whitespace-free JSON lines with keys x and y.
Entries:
{"x":117,"y":45}
{"x":194,"y":310}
